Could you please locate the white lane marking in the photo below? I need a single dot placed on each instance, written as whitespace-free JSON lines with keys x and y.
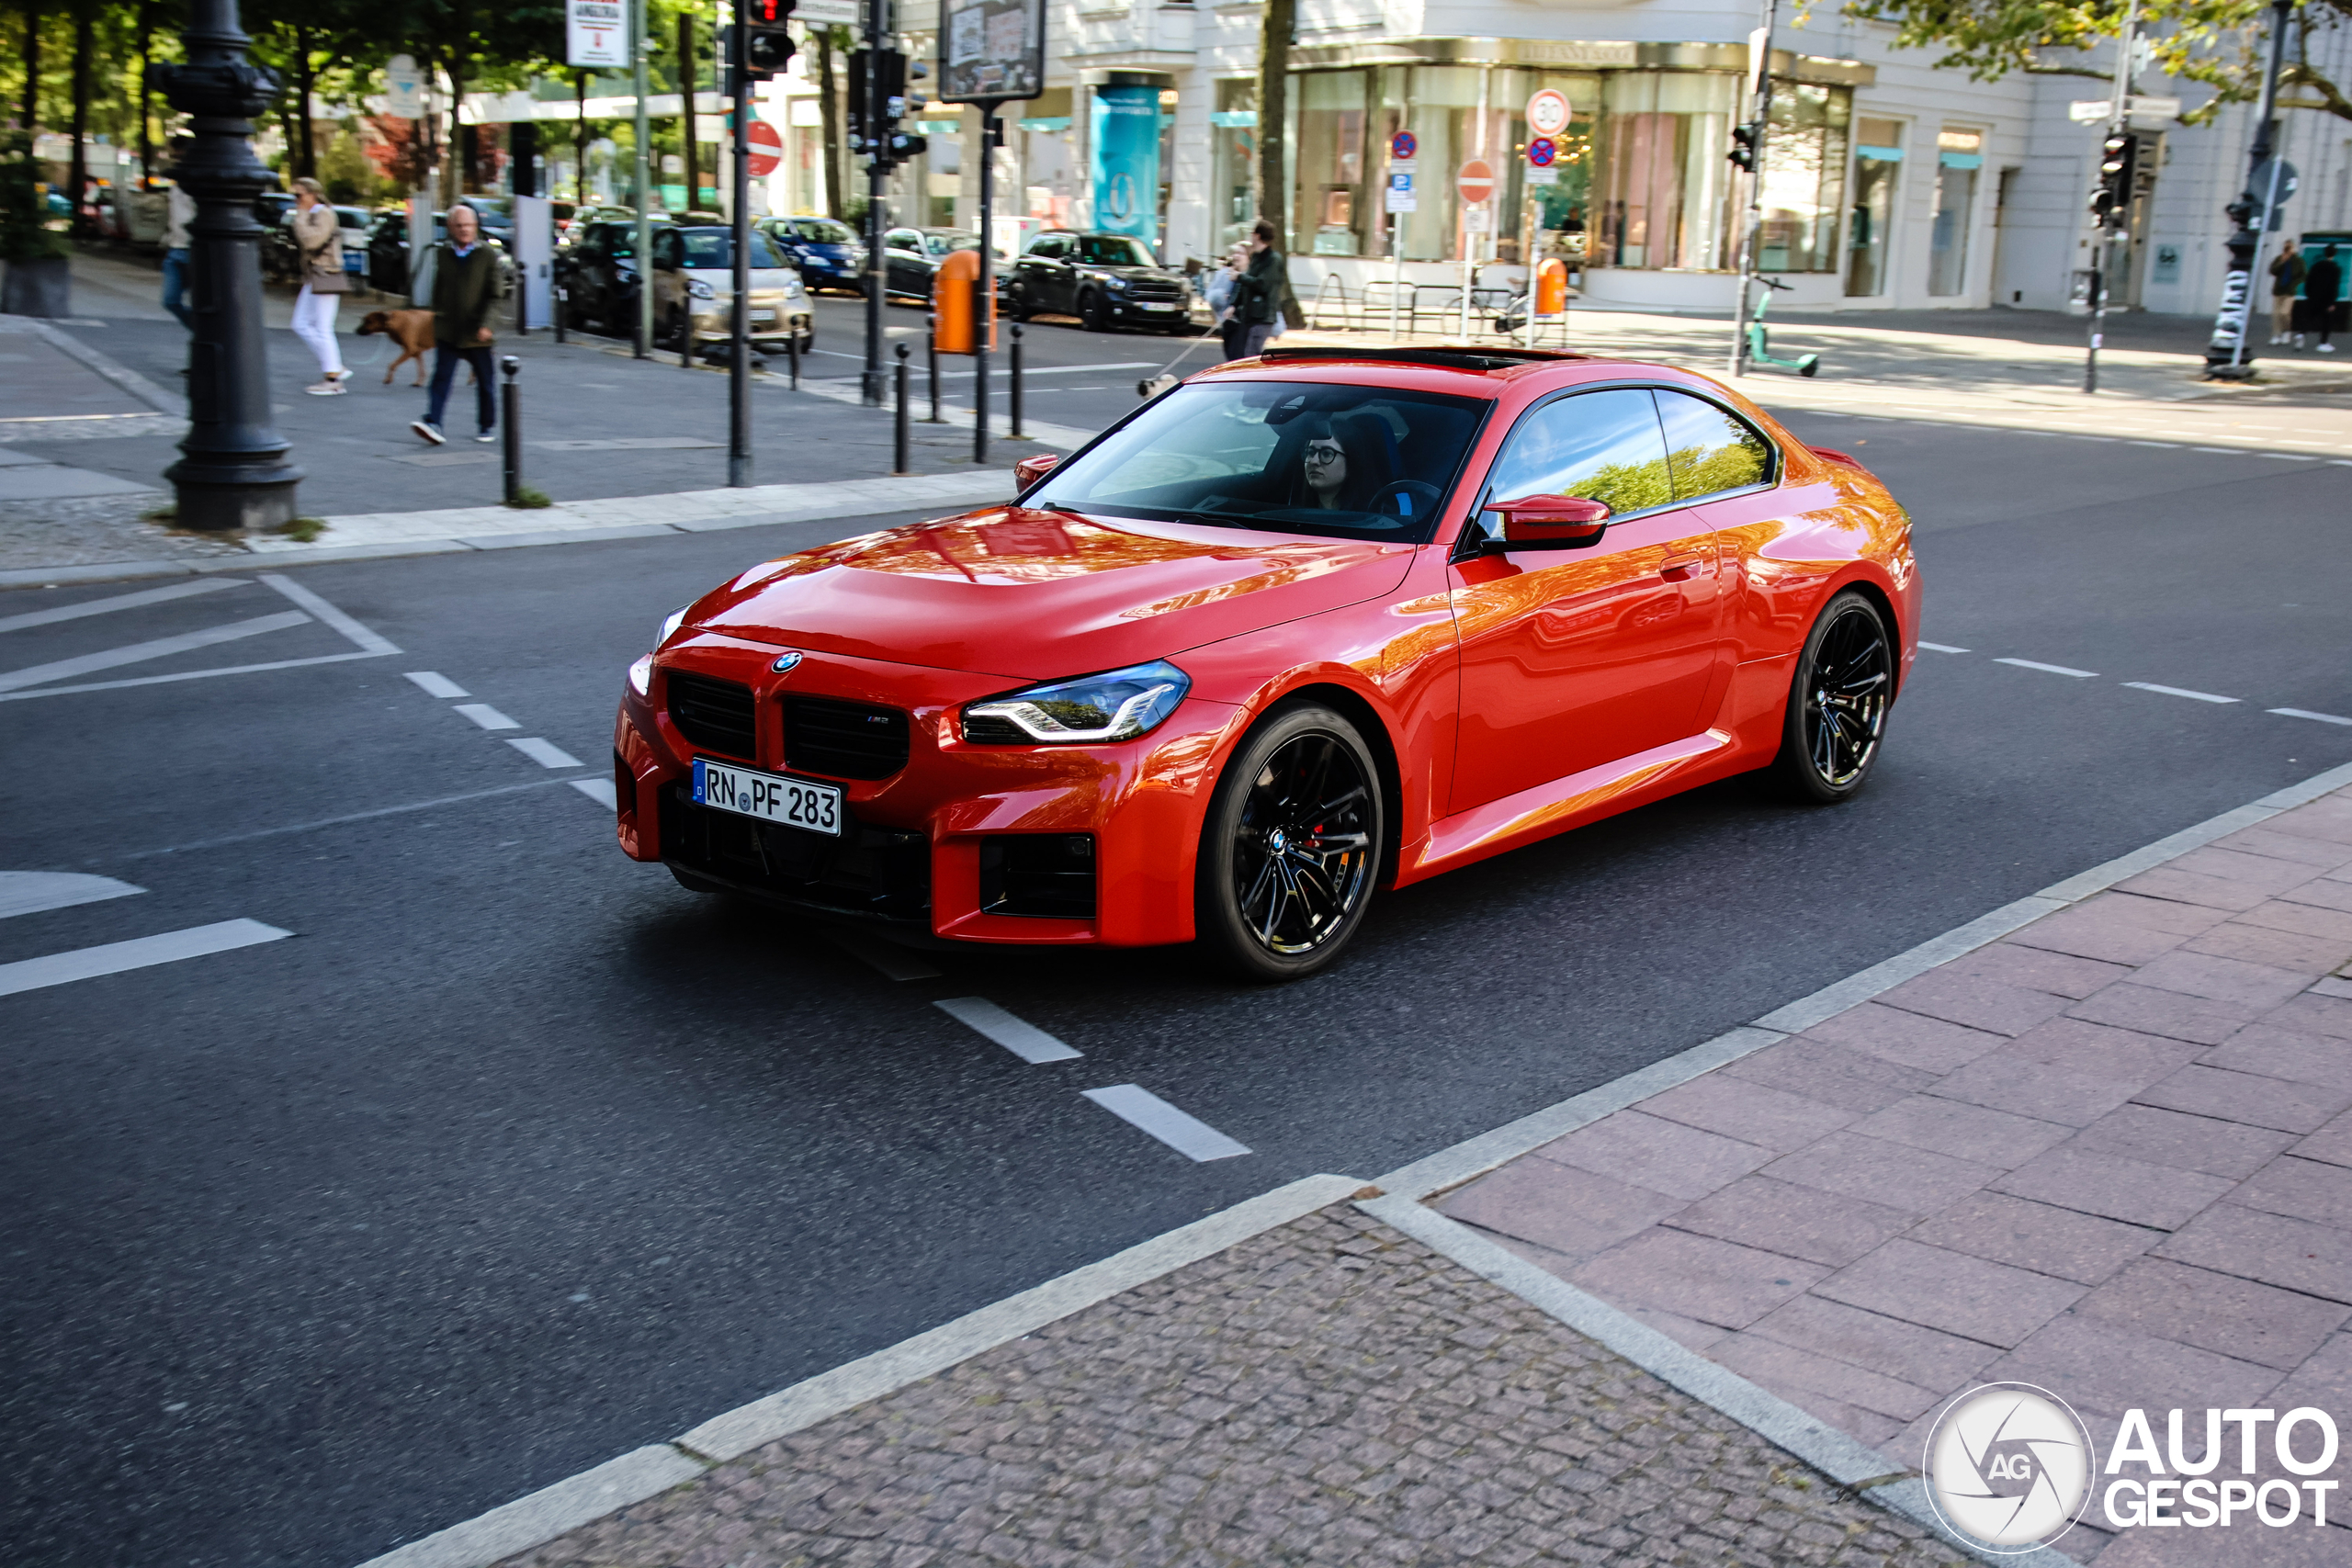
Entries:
{"x":1188,"y":1135}
{"x":2177,"y":692}
{"x":1027,"y":1041}
{"x":35,"y":892}
{"x":546,"y":754}
{"x":601,"y":791}
{"x":120,"y":602}
{"x":1942,"y":647}
{"x":2306,"y":713}
{"x":434,"y":684}
{"x":2222,"y":451}
{"x":2169,"y":445}
{"x":326,"y":822}
{"x":894,"y":962}
{"x":2290,"y":457}
{"x":486,"y":715}
{"x":115,"y":957}
{"x":184,"y":675}
{"x":137,"y":652}
{"x":2051,"y":669}
{"x":361,"y":638}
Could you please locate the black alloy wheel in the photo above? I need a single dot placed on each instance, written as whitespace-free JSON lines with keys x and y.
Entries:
{"x":1092,"y":311}
{"x":1291,"y":847}
{"x":1837,"y":705}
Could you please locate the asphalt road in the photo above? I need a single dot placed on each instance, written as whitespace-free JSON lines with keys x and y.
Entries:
{"x":516,"y":1156}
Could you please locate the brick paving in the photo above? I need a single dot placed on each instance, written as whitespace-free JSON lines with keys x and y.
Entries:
{"x":2110,"y":1155}
{"x":1327,"y":1392}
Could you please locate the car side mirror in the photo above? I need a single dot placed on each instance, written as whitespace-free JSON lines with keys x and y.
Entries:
{"x":1562,"y":521}
{"x":1029,"y":470}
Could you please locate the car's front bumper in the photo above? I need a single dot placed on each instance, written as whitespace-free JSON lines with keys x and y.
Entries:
{"x":713,"y":321}
{"x":925,"y":841}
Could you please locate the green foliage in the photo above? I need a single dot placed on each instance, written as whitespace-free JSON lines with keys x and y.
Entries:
{"x":529,"y":500}
{"x":24,"y":234}
{"x":303,"y":530}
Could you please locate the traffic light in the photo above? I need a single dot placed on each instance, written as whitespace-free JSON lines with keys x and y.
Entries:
{"x":763,"y":46}
{"x":1746,"y":142}
{"x":2112,"y":193}
{"x":878,"y":136}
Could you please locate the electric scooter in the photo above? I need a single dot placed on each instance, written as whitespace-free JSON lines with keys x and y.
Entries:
{"x":1758,"y":343}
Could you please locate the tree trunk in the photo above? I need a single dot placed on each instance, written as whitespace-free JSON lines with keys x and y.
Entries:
{"x":580,"y":139}
{"x":305,"y":155}
{"x":30,"y":119}
{"x":146,"y":126}
{"x":77,"y":178}
{"x":1273,"y":102}
{"x":459,"y":173}
{"x":686,"y":106}
{"x":829,"y":106}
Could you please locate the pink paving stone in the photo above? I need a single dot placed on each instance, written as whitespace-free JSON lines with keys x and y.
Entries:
{"x":2302,"y":1189}
{"x":2223,"y":979}
{"x":2104,"y":1368}
{"x":2061,"y":1243}
{"x":1875,"y":1171}
{"x":2246,"y":1097}
{"x":2294,"y":1254}
{"x":2118,"y":928}
{"x":1910,"y":1039}
{"x":1696,"y":1276}
{"x":2221,"y":1313}
{"x":2312,"y":1014}
{"x":2332,"y":1142}
{"x":1792,"y":1372}
{"x":2269,"y":871}
{"x":2151,"y":1010}
{"x":2318,"y":853}
{"x":2014,"y":964}
{"x":2329,"y":817}
{"x":2069,"y":1070}
{"x":2182,"y":1142}
{"x":1750,"y":1111}
{"x":2284,"y":1054}
{"x":2323,"y":894}
{"x":1568,"y":1210}
{"x":2306,"y":919}
{"x":1798,"y":1221}
{"x":1688,"y":1332}
{"x":1968,"y":1297}
{"x":1649,"y":1151}
{"x":1831,"y":1074}
{"x":1907,"y":1352}
{"x":2133,"y":1191}
{"x":1957,"y":1127}
{"x":1975,"y":1003}
{"x":2264,"y":944}
{"x":2324,"y":1381}
{"x":2189,"y":888}
{"x":2244,"y":1545}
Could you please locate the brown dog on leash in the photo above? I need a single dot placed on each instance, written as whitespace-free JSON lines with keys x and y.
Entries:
{"x":412,"y":330}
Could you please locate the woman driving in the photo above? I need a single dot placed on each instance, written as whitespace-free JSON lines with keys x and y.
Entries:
{"x":1344,"y":463}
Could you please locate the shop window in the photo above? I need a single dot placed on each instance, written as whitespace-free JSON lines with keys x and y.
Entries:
{"x":1664,"y":183}
{"x":1804,"y":177}
{"x":1877,"y":163}
{"x":1327,"y":170}
{"x":1960,"y":156}
{"x":1233,"y":162}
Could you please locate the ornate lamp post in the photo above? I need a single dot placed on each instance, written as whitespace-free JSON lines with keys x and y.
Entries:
{"x":232,"y":475}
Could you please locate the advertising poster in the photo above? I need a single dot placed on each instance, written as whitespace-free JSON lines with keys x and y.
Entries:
{"x":595,"y":33}
{"x":991,"y":50}
{"x":1127,"y":161}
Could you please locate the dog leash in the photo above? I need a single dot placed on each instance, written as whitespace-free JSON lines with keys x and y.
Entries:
{"x":1152,"y":386}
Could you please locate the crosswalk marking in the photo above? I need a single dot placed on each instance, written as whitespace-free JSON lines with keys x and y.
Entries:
{"x":546,"y":753}
{"x":1024,"y":1039}
{"x":1187,"y":1135}
{"x":115,"y":957}
{"x":139,"y":652}
{"x":120,"y":602}
{"x":36,"y":892}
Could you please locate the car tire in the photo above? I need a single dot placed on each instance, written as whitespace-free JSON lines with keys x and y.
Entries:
{"x":1091,"y":312}
{"x":1266,"y":909}
{"x":1839,"y":698}
{"x":1014,"y":306}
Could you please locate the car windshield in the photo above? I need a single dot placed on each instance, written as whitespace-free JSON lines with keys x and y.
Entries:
{"x":823,"y":230}
{"x":1292,"y":457}
{"x":940,"y":245}
{"x":709,"y":248}
{"x":1114,"y":250}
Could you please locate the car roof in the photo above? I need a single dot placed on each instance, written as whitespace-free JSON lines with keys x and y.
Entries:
{"x":1458,"y":370}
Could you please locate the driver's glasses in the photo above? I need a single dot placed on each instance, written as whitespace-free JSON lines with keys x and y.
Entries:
{"x":1323,"y":453}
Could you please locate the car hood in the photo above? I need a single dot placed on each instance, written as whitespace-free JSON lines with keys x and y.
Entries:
{"x":1034,"y":595}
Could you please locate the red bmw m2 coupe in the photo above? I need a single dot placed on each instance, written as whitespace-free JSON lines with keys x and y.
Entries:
{"x":1304,"y":627}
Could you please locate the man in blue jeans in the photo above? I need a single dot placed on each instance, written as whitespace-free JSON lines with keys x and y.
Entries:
{"x":464,"y":290}
{"x":179,"y":211}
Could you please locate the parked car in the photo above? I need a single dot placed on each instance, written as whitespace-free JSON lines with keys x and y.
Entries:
{"x":826,"y":250}
{"x":1105,"y":280}
{"x":387,"y":249}
{"x":597,"y":272}
{"x":910,"y":258}
{"x":272,"y":205}
{"x":694,"y":287}
{"x":1308,"y":626}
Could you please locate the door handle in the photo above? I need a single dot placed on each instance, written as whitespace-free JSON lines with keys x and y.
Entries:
{"x":1682,"y":568}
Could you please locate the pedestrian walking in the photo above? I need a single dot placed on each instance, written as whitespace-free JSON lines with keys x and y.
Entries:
{"x":1220,"y":292}
{"x":2323,"y":291}
{"x":465,"y":288}
{"x":2286,"y":282}
{"x":318,"y":242}
{"x":179,"y":211}
{"x":1264,"y":286}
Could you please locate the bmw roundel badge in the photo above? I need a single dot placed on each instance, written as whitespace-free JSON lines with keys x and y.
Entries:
{"x":784,"y":662}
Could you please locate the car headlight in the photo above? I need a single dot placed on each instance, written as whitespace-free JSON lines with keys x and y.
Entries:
{"x":641,"y":675}
{"x":1115,"y":284}
{"x":669,"y":623}
{"x":1118,"y":704}
{"x":699,"y":290}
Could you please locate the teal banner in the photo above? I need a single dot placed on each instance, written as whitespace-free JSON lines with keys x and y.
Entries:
{"x":1127,"y":161}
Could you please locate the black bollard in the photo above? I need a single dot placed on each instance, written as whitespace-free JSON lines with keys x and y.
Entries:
{"x":511,"y":400}
{"x":685,"y":340}
{"x":933,"y":342}
{"x":559,"y":314}
{"x":898,"y":452}
{"x":1016,"y":394}
{"x":791,"y":351}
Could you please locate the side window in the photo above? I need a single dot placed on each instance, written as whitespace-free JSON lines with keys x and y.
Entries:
{"x":1049,"y":248}
{"x":1708,"y":450}
{"x":1603,"y":445}
{"x":904,"y":240}
{"x":667,"y":249}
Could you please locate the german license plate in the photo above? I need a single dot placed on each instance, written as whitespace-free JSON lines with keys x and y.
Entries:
{"x":1149,"y":306}
{"x":789,"y":803}
{"x":764,"y":315}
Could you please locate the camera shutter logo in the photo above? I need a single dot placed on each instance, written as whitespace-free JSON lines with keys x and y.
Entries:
{"x":2009,"y":1466}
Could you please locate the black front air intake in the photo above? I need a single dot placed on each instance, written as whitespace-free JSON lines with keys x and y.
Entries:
{"x":717,"y":715}
{"x":843,"y":740}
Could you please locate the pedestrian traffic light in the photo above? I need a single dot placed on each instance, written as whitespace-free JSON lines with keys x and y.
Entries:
{"x":2112,"y":195}
{"x":898,"y":147}
{"x":762,"y":43}
{"x":1746,"y":139}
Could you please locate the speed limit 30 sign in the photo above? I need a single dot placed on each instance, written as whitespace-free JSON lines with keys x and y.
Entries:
{"x":1547,"y":111}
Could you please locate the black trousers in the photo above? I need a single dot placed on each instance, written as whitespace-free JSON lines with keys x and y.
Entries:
{"x":446,"y":360}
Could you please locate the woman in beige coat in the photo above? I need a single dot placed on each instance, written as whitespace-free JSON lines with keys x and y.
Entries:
{"x":318,"y":236}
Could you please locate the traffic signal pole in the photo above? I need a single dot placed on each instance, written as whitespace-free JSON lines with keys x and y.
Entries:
{"x":739,"y":347}
{"x":2118,"y":210}
{"x":878,"y":174}
{"x":639,"y":46}
{"x":2227,"y":355}
{"x":983,"y":283}
{"x":1747,"y":150}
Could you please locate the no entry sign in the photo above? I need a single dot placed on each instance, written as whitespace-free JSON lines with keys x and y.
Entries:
{"x":1547,"y":112}
{"x":766,"y":148}
{"x":1474,"y":181}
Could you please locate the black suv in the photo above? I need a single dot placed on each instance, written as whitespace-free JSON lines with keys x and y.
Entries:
{"x":1105,"y":280}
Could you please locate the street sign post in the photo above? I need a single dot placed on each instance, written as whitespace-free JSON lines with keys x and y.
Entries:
{"x":1547,"y":112}
{"x":767,"y":149}
{"x":1400,"y":191}
{"x":1403,"y":147}
{"x":595,"y":34}
{"x":991,"y":53}
{"x":1474,"y":181}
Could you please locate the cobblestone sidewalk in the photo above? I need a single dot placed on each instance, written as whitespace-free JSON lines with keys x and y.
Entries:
{"x":1327,"y":1392}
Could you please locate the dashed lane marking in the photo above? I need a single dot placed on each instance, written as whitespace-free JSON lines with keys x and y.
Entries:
{"x":486,"y":715}
{"x":1027,"y":1041}
{"x":183,"y":675}
{"x":894,"y":963}
{"x":1942,"y":647}
{"x":2306,"y":713}
{"x":546,"y":753}
{"x":323,"y":822}
{"x":601,"y":791}
{"x":121,"y":602}
{"x":432,"y":683}
{"x":38,"y":892}
{"x":2049,"y":669}
{"x":1188,"y":1135}
{"x":117,"y":957}
{"x":139,"y":652}
{"x":2177,"y":692}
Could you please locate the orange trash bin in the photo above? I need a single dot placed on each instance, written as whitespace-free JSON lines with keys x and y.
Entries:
{"x":1551,"y":287}
{"x":950,"y":303}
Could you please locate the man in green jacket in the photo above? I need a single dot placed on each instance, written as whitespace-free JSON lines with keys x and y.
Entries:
{"x":465,"y":291}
